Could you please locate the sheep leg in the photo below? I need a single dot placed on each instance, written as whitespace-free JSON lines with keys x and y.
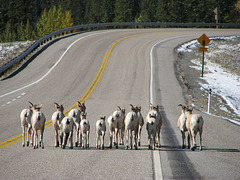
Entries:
{"x":87,"y":139}
{"x":97,"y":141}
{"x":35,"y":144}
{"x":131,"y":137}
{"x":154,"y":138}
{"x":77,"y":134}
{"x":102,"y":140}
{"x":116,"y":137}
{"x":80,"y":137}
{"x":71,"y":140}
{"x":158,"y":137}
{"x":122,"y":136}
{"x":29,"y":135}
{"x":41,"y":138}
{"x":56,"y":139}
{"x":111,"y":139}
{"x":188,"y":138}
{"x":135,"y":138}
{"x":139,"y":135}
{"x":200,"y":134}
{"x":61,"y":140}
{"x":149,"y":140}
{"x":183,"y":139}
{"x":127,"y":138}
{"x":23,"y":136}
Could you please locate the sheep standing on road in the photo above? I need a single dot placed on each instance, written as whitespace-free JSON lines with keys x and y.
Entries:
{"x":111,"y":129}
{"x":25,"y":117}
{"x":66,"y":132}
{"x":38,"y":123}
{"x":132,"y":124}
{"x":119,"y":117}
{"x":76,"y":115}
{"x":85,"y":130}
{"x":100,"y":131}
{"x":181,"y":124}
{"x":154,"y":110}
{"x":56,"y":120}
{"x":151,"y":127}
{"x":194,"y":125}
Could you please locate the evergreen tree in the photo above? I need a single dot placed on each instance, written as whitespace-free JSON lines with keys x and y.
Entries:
{"x":123,"y":11}
{"x":166,"y":11}
{"x":94,"y":11}
{"x":108,"y":11}
{"x":148,"y":11}
{"x":78,"y":9}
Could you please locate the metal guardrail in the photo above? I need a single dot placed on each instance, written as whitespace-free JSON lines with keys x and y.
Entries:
{"x":48,"y":37}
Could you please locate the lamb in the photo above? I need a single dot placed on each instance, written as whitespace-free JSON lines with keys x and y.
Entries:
{"x":181,"y":124}
{"x":85,"y":130}
{"x":25,"y":117}
{"x":119,"y":117}
{"x":100,"y":131}
{"x":66,"y":132}
{"x":38,"y":123}
{"x":76,"y":115}
{"x":151,"y":128}
{"x":131,"y":124}
{"x":141,"y":123}
{"x":154,"y":110}
{"x":194,"y":124}
{"x":56,"y":120}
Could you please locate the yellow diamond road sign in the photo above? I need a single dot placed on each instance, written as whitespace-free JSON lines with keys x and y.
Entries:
{"x":203,"y":40}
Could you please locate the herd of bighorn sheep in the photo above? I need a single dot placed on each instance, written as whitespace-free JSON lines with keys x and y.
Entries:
{"x":118,"y":124}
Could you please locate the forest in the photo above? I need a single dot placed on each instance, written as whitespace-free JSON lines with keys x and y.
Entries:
{"x":22,"y":20}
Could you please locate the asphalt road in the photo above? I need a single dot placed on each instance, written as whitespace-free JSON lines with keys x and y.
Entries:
{"x":109,"y":69}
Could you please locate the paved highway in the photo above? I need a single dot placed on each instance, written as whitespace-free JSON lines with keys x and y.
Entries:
{"x":107,"y":69}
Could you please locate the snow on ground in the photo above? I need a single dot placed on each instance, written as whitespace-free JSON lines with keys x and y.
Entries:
{"x":223,"y":82}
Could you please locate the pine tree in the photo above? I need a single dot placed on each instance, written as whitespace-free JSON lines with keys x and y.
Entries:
{"x":123,"y":11}
{"x":148,"y":11}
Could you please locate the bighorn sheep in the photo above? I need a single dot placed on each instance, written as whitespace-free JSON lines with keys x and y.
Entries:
{"x":132,"y":124}
{"x":38,"y":123}
{"x":85,"y":130}
{"x":151,"y":127}
{"x":100,"y":131}
{"x":66,"y":132}
{"x":154,"y":110}
{"x":141,"y":123}
{"x":181,"y":124}
{"x":111,"y":128}
{"x":25,"y":117}
{"x":119,"y":117}
{"x":194,"y":125}
{"x":56,"y":120}
{"x":76,"y":115}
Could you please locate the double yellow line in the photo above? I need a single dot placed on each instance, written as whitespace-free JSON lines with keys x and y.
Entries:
{"x":83,"y":98}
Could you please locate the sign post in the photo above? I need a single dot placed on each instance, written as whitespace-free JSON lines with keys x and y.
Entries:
{"x":203,"y":40}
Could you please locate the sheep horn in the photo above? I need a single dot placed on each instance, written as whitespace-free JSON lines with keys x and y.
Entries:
{"x":30,"y":103}
{"x":119,"y":108}
{"x":180,"y":105}
{"x":56,"y":104}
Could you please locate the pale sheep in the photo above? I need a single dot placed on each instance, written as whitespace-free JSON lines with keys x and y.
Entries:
{"x":119,"y":118}
{"x":181,"y":124}
{"x":38,"y":123}
{"x":151,"y":127}
{"x":85,"y":130}
{"x":154,"y":110}
{"x":25,"y":117}
{"x":194,"y":124}
{"x":56,"y":121}
{"x":76,"y":115}
{"x":132,"y":124}
{"x":111,"y":129}
{"x":100,"y":131}
{"x":66,"y":132}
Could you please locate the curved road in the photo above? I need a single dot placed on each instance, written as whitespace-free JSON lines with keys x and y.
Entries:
{"x":109,"y":69}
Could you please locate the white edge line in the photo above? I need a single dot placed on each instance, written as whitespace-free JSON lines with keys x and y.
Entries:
{"x":37,"y":81}
{"x":156,"y":154}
